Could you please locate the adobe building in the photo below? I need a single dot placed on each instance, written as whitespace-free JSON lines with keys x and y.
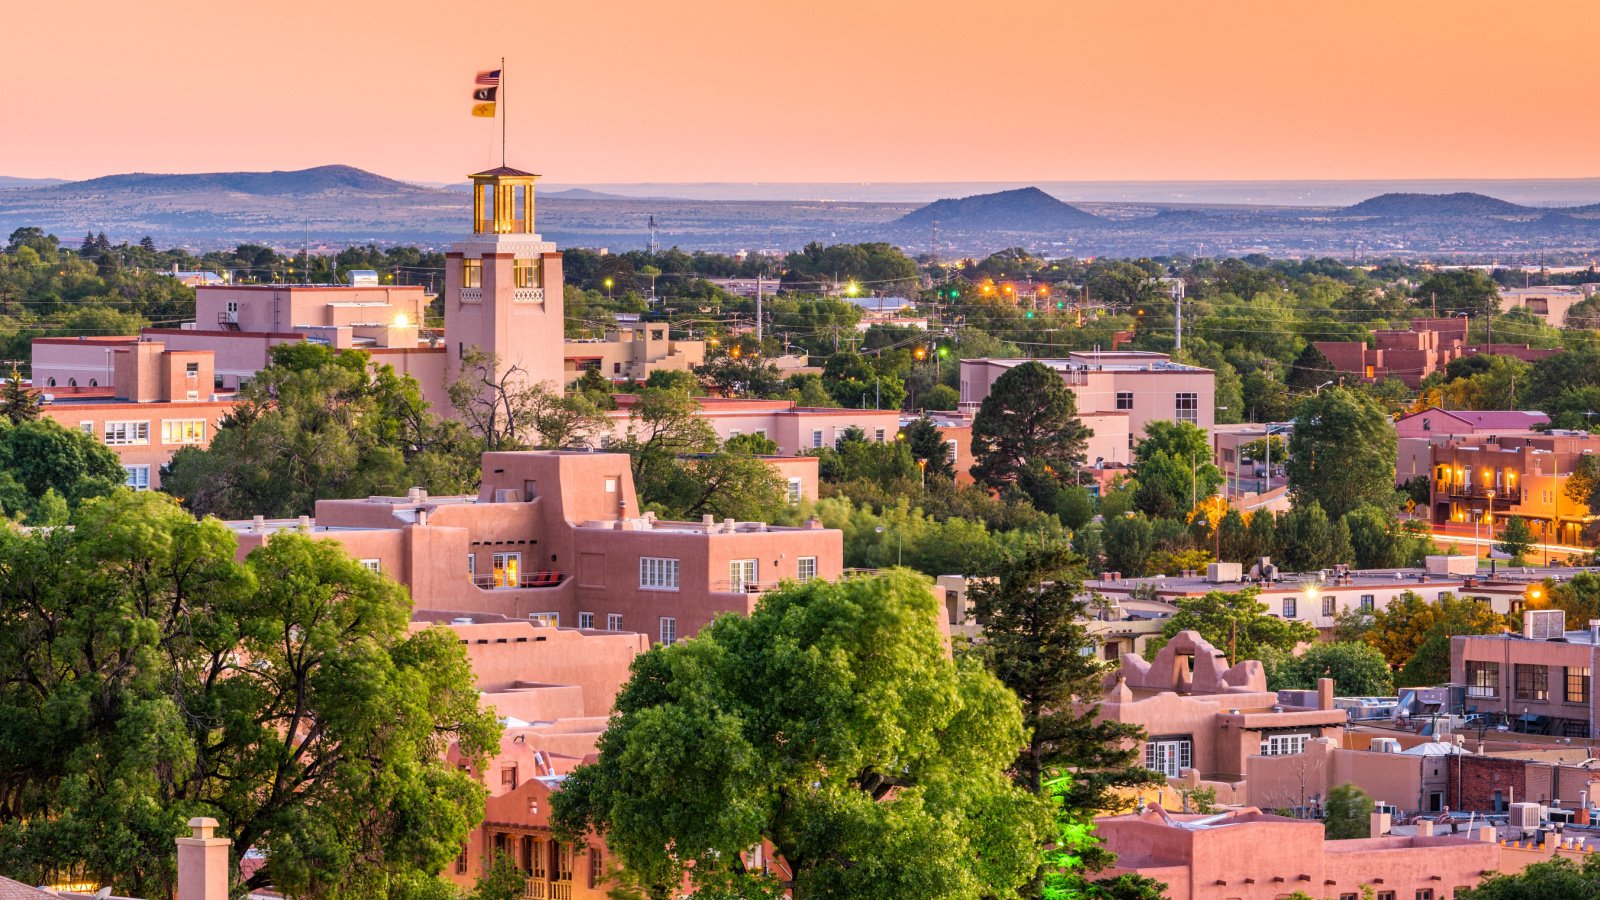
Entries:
{"x":1203,"y":715}
{"x":1144,"y":386}
{"x":1246,"y":854}
{"x":557,"y":537}
{"x":1412,"y":355}
{"x":1537,"y":681}
{"x":794,"y":428}
{"x":1419,"y":432}
{"x":1550,"y":303}
{"x":631,"y":354}
{"x":1483,"y":480}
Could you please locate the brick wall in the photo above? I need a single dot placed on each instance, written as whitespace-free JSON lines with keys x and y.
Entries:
{"x":1473,"y":780}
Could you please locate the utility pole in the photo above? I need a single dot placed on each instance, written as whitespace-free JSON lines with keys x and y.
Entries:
{"x":758,"y":306}
{"x":1177,"y":296}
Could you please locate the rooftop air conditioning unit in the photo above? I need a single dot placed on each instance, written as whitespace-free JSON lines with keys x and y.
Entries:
{"x":1384,"y":745}
{"x":1526,"y":815}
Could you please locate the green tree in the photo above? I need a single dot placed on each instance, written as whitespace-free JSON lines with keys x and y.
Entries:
{"x":1451,"y":291}
{"x":1173,"y":468}
{"x":831,"y":723}
{"x":18,"y":402}
{"x":1128,"y":542}
{"x":39,"y":458}
{"x":1306,"y":538}
{"x":1347,"y":814}
{"x":1036,"y":641}
{"x":1263,"y":533}
{"x":941,"y":397}
{"x":1234,"y":539}
{"x":1516,"y":539}
{"x":1030,"y":416}
{"x":1237,"y":624}
{"x":284,"y":695}
{"x":1553,"y":879}
{"x":1357,"y":670}
{"x":1075,"y":853}
{"x":1342,"y":452}
{"x":1413,"y":634}
{"x":928,"y":447}
{"x":751,"y":444}
{"x":1311,"y":368}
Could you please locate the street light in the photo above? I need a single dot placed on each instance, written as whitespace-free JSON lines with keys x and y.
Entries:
{"x":900,"y":544}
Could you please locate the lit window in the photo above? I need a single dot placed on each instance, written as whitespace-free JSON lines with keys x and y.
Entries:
{"x":525,"y":273}
{"x":1188,"y":408}
{"x":137,"y":477}
{"x":471,"y":273}
{"x":183,"y":431}
{"x":545,"y":619}
{"x":124,"y":433}
{"x":1483,"y":679}
{"x":1577,"y":690}
{"x":507,"y":570}
{"x":669,"y":630}
{"x":1532,"y":682}
{"x":806,"y":568}
{"x":658,"y":573}
{"x":795,"y":490}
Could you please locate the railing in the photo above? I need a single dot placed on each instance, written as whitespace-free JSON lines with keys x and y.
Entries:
{"x":536,"y":889}
{"x":730,"y":586}
{"x":528,"y":295}
{"x":560,"y":890}
{"x":472,"y":295}
{"x":541,"y":579}
{"x":1507,"y":495}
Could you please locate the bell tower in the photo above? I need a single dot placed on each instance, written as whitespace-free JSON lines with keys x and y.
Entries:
{"x":503,"y":286}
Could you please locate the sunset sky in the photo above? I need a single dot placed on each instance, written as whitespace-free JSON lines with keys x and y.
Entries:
{"x":824,"y":90}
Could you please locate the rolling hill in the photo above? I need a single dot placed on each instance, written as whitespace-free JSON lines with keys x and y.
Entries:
{"x":1024,"y":209}
{"x":1461,"y":205}
{"x":317,"y":180}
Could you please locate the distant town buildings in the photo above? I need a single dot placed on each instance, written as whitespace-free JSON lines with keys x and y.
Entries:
{"x":1550,"y":303}
{"x":1482,"y":480}
{"x":1412,"y":355}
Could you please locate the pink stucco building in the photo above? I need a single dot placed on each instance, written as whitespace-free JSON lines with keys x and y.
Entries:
{"x":1143,"y":386}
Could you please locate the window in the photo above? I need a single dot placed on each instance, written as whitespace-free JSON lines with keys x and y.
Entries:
{"x":191,"y":370}
{"x":1483,"y":678}
{"x":658,"y":573}
{"x":471,"y":273}
{"x":585,"y":620}
{"x":879,"y":435}
{"x":508,"y":777}
{"x":1349,"y":897}
{"x":1124,"y":399}
{"x":1169,"y":756}
{"x":1424,"y":893}
{"x":1330,"y":606}
{"x":951,"y":453}
{"x":86,"y":428}
{"x":564,"y":854}
{"x":137,"y":477}
{"x":742,"y":575}
{"x":507,"y":570}
{"x":461,"y":862}
{"x":795,"y":490}
{"x":597,"y":868}
{"x":816,"y":439}
{"x":525,"y":273}
{"x":611,"y":485}
{"x":806,"y":568}
{"x":1368,"y":602}
{"x":733,"y":433}
{"x":1532,"y":682}
{"x":372,"y":565}
{"x":1385,"y":895}
{"x":669,"y":630}
{"x":545,"y":619}
{"x":1577,"y":685}
{"x":183,"y":431}
{"x":472,"y":566}
{"x":122,"y":433}
{"x":1290,"y":607}
{"x":1284,"y":744}
{"x":613,"y":621}
{"x":1188,"y":408}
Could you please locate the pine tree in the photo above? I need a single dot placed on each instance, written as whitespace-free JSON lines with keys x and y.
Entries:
{"x":1263,"y":533}
{"x":1311,"y":368}
{"x":87,"y":249}
{"x":147,"y":243}
{"x":18,"y":402}
{"x":102,"y":243}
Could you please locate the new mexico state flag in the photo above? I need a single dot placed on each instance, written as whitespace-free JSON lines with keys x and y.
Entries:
{"x":483,"y":110}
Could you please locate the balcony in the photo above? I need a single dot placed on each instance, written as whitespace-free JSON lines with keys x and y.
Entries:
{"x":1504,"y":497}
{"x":539,"y":889}
{"x":472,"y":295}
{"x":542,"y":579}
{"x":730,"y":586}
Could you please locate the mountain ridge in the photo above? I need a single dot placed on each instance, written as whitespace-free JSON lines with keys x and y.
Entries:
{"x":277,"y":183}
{"x":1020,"y":209}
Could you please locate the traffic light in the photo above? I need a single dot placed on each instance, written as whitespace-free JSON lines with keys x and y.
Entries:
{"x":1061,"y":304}
{"x":1030,"y":314}
{"x":955,"y":294}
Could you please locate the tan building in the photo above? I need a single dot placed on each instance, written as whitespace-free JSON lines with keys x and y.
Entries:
{"x":631,"y":354}
{"x":1144,"y":386}
{"x":1549,"y":303}
{"x":1477,"y":482}
{"x":1537,"y":681}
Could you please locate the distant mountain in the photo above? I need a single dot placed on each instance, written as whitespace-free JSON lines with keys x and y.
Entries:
{"x":582,"y":194}
{"x":1436,"y":206}
{"x":1024,"y":209}
{"x":318,"y":180}
{"x":8,"y":181}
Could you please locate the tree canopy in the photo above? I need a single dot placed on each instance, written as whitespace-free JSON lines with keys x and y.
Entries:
{"x":1342,"y":452}
{"x":1029,"y":418}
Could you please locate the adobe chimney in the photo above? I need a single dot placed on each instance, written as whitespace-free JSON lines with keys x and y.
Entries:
{"x":1324,"y":693}
{"x":203,"y":863}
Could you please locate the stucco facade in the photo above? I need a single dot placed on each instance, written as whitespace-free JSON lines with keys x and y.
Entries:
{"x":1145,"y":386}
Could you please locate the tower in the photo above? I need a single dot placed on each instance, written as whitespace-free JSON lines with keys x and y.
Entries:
{"x":503,"y":286}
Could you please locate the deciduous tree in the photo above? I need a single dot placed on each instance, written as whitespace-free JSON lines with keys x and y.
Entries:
{"x":1342,"y":452}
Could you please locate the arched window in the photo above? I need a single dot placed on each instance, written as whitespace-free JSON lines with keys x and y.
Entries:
{"x":51,"y":382}
{"x":94,"y":382}
{"x":72,"y":382}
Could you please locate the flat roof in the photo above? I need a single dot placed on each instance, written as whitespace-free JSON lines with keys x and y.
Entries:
{"x":1505,"y":577}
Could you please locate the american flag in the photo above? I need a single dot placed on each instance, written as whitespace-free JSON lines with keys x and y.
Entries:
{"x":489,"y":79}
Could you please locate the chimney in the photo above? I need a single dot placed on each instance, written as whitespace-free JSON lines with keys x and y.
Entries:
{"x":1380,"y":827}
{"x":1424,"y":828}
{"x":305,"y":523}
{"x":203,"y":863}
{"x":258,"y":525}
{"x":1324,"y":693}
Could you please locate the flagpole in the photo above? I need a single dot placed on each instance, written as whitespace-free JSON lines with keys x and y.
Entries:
{"x":502,"y":112}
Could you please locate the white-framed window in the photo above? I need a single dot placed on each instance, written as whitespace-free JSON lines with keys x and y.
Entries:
{"x":191,"y":370}
{"x":137,"y":477}
{"x":1284,"y":744}
{"x":183,"y":431}
{"x":658,"y":573}
{"x":806,"y":568}
{"x":816,"y":438}
{"x":1290,"y":607}
{"x":546,"y":619}
{"x":86,"y":428}
{"x":733,"y":433}
{"x":760,"y":431}
{"x":372,"y":565}
{"x":124,"y":433}
{"x":953,"y":450}
{"x":796,"y":490}
{"x":669,"y":630}
{"x":1187,"y":407}
{"x":613,"y":621}
{"x":507,"y":569}
{"x":1124,"y":399}
{"x":742,"y":575}
{"x":1169,"y":756}
{"x":585,"y":620}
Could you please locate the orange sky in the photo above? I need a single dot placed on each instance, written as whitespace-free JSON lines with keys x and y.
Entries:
{"x":822,"y":90}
